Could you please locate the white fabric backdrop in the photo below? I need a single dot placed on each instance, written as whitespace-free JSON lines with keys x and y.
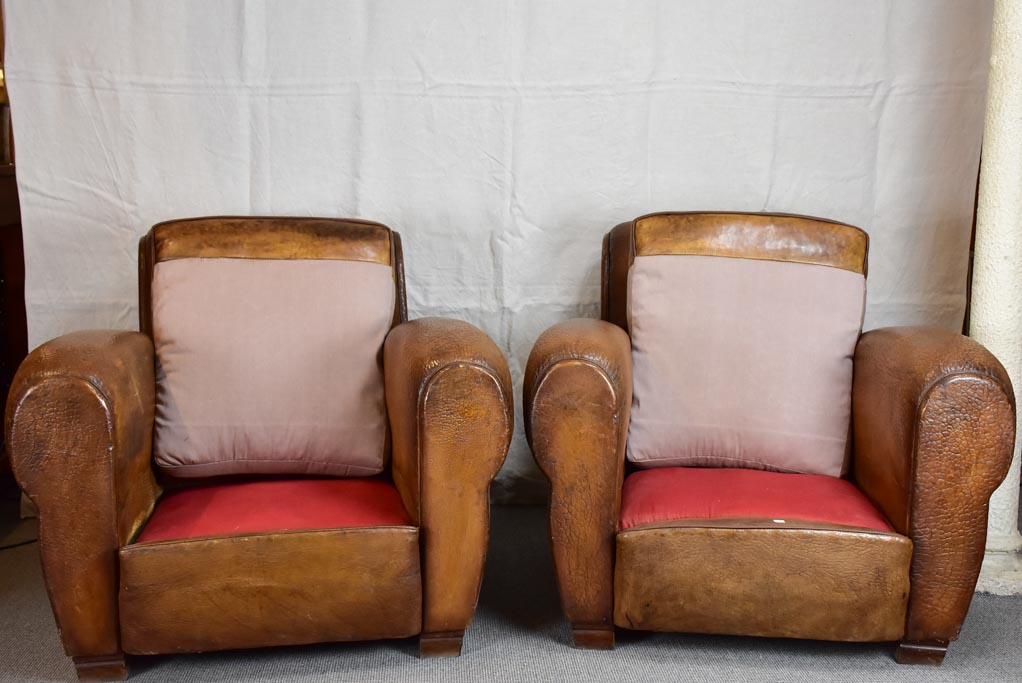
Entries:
{"x":502,"y":139}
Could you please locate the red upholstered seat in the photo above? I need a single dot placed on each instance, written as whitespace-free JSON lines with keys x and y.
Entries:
{"x":282,"y":505}
{"x":676,"y":493}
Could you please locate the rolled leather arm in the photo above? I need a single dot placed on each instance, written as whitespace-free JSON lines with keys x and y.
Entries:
{"x":451,"y":414}
{"x":578,"y":393}
{"x":934,"y":427}
{"x":79,"y":429}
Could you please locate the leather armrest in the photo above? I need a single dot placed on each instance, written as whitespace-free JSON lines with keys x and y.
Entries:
{"x":79,"y":429}
{"x":933,"y":415}
{"x":578,"y":394}
{"x":451,"y":417}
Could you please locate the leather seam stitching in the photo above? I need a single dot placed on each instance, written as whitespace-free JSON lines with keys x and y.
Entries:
{"x":802,"y":262}
{"x":138,"y":547}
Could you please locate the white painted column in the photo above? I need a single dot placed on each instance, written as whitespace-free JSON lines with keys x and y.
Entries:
{"x":996,"y":318}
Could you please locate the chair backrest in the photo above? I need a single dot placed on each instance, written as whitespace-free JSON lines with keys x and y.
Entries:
{"x":268,"y":335}
{"x":743,"y":328}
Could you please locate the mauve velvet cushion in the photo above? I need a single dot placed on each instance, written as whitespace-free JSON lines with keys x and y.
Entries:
{"x":270,"y":366}
{"x":742,"y":363}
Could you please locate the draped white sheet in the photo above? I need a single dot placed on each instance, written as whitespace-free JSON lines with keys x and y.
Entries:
{"x":501,"y":138}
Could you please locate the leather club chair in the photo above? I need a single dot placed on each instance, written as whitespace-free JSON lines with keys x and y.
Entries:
{"x":235,"y":475}
{"x":716,"y":466}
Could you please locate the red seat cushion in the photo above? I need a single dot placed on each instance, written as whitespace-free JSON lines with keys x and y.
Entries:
{"x":284,"y":505}
{"x":676,"y":493}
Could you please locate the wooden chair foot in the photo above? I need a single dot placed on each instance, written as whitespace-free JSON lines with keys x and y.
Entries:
{"x":593,"y":637}
{"x":441,"y":644}
{"x":101,"y":668}
{"x":921,"y":652}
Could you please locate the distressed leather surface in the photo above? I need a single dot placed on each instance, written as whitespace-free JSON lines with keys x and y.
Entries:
{"x":272,"y":238}
{"x":577,"y":397}
{"x":758,"y":236}
{"x":270,"y":589}
{"x":449,"y":400}
{"x":934,"y":426}
{"x":79,"y":428}
{"x":835,"y":583}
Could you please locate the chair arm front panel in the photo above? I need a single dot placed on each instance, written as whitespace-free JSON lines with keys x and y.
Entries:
{"x":79,"y":426}
{"x":449,"y":401}
{"x":578,"y":393}
{"x":934,"y":427}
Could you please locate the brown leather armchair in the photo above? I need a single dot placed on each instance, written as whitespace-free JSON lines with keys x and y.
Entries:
{"x":235,"y":475}
{"x":679,"y":509}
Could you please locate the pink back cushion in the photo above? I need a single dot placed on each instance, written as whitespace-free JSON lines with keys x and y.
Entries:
{"x":742,"y":363}
{"x":270,"y":366}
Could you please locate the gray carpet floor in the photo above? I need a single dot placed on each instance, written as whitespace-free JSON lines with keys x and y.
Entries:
{"x":518,"y":635}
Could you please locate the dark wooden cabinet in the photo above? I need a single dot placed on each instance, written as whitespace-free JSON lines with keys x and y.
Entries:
{"x":13,"y":333}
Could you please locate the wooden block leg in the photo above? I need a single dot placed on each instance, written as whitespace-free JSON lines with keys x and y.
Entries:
{"x":593,"y":637}
{"x":441,"y":644}
{"x":921,"y":652}
{"x":101,"y":668}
